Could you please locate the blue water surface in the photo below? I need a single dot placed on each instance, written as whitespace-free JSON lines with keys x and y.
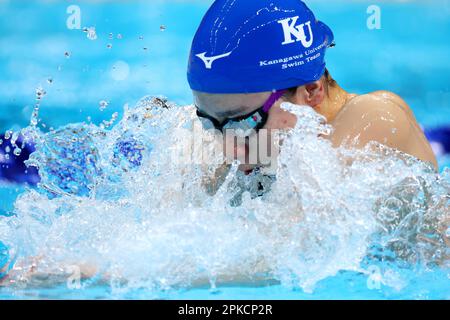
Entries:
{"x":142,"y":48}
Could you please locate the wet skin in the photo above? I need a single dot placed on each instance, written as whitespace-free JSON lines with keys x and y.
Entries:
{"x":379,"y":116}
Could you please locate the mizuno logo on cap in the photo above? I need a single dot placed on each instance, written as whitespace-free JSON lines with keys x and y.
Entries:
{"x":290,"y":29}
{"x":209,"y":60}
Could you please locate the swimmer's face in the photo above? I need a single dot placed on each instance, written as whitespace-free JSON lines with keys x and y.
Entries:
{"x":229,"y":106}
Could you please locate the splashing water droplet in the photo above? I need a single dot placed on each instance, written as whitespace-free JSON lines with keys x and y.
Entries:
{"x":40,"y":93}
{"x":111,"y":36}
{"x":103,"y":105}
{"x":34,"y":120}
{"x":91,"y":33}
{"x":17,"y":151}
{"x":106,"y":124}
{"x":14,"y":138}
{"x":8,"y":134}
{"x":119,"y":36}
{"x":35,"y":115}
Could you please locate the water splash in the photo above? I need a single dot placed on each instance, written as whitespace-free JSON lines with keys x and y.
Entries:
{"x":115,"y":199}
{"x":103,"y":104}
{"x":91,"y":34}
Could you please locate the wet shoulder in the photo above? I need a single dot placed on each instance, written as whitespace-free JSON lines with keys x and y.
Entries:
{"x":377,"y":104}
{"x":383,"y":117}
{"x":381,"y":100}
{"x":377,"y":116}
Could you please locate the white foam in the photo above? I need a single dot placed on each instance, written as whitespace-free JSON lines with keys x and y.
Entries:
{"x":154,"y":226}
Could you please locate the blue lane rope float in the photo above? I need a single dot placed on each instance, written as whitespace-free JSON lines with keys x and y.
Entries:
{"x":12,"y":166}
{"x":440,"y":140}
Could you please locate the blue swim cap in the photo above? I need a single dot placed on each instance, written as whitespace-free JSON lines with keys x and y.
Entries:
{"x":248,"y":46}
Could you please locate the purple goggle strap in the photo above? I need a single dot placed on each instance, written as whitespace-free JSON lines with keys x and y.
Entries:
{"x":272,"y":99}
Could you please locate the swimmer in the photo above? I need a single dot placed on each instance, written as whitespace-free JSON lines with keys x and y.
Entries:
{"x":248,"y":57}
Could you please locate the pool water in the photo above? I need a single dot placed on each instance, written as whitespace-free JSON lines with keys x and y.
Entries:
{"x":147,"y":56}
{"x":346,"y":285}
{"x":404,"y":56}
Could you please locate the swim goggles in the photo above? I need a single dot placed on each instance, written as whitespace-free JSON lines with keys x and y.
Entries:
{"x":253,"y":121}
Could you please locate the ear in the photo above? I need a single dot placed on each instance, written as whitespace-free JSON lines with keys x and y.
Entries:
{"x":314,"y":93}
